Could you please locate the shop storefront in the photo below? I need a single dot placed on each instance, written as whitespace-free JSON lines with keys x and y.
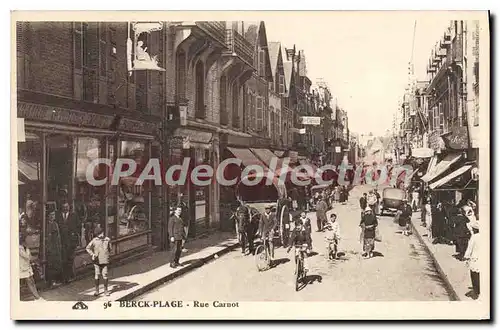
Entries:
{"x":202,"y":149}
{"x":52,"y":171}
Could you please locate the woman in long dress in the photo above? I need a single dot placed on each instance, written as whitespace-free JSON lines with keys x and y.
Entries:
{"x":368,"y":226}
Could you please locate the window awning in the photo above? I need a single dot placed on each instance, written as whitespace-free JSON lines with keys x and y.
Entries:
{"x":28,"y":171}
{"x":441,"y":167}
{"x":450,"y":176}
{"x":246,"y":156}
{"x":266,"y":156}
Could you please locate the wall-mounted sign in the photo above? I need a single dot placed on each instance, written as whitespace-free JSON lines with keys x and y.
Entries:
{"x":183,"y":114}
{"x":21,"y":135}
{"x":316,"y":121}
{"x":298,"y":130}
{"x":338,"y":149}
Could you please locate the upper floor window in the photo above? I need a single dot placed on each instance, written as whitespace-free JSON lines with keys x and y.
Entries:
{"x":200,"y":90}
{"x":281,"y":84}
{"x":262,"y":62}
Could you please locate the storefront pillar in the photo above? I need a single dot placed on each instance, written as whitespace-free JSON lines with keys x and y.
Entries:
{"x":44,"y":205}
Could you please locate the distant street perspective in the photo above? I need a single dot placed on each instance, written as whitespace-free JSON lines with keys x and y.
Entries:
{"x":399,"y":270}
{"x":139,"y":142}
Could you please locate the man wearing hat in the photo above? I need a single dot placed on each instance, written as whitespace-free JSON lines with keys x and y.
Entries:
{"x":267,"y":226}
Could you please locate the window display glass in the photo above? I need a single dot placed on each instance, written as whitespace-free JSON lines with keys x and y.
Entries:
{"x":133,"y":200}
{"x":89,"y":205}
{"x":29,"y":172}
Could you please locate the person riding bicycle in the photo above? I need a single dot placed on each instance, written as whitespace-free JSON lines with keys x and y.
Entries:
{"x":267,"y":226}
{"x":332,"y":236}
{"x":306,"y":222}
{"x":299,"y":238}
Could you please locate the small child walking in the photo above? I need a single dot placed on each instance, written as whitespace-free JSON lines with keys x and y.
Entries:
{"x":332,"y":236}
{"x":99,"y":249}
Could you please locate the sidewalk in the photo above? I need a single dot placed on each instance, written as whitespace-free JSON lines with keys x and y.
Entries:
{"x":133,"y":279}
{"x":454,"y":272}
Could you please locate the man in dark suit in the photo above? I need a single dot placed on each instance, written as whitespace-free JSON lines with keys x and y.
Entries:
{"x":69,"y":225}
{"x":177,"y":235}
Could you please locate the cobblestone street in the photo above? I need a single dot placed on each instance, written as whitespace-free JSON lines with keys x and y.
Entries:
{"x":401,"y":270}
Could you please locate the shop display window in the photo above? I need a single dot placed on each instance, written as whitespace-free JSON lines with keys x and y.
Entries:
{"x":29,"y":169}
{"x":133,"y":212}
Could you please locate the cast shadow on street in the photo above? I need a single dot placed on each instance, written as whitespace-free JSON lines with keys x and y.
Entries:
{"x":279,"y":261}
{"x":88,"y":294}
{"x":310,"y":279}
{"x":191,"y":261}
{"x":312,"y":254}
{"x":377,"y":254}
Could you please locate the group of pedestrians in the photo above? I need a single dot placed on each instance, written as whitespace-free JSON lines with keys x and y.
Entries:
{"x":452,"y":224}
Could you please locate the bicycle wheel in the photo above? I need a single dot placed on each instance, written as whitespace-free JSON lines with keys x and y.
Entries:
{"x":261,"y":258}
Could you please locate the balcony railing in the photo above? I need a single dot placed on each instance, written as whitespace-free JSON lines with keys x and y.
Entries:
{"x":216,"y":29}
{"x":237,"y":44}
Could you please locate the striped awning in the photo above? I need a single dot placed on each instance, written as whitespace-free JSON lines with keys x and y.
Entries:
{"x":441,"y":167}
{"x":450,"y":176}
{"x":246,"y":156}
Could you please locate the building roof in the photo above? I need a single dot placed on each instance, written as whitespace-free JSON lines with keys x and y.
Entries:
{"x":302,"y":64}
{"x":274,"y":51}
{"x":288,"y":68}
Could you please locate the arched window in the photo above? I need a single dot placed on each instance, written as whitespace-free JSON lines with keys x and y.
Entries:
{"x":181,"y":74}
{"x":200,"y":90}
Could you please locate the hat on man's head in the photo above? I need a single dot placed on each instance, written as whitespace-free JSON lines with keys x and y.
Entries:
{"x":368,"y":209}
{"x":268,"y":207}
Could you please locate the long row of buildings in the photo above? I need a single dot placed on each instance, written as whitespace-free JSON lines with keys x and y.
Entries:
{"x":167,"y":90}
{"x":441,"y":113}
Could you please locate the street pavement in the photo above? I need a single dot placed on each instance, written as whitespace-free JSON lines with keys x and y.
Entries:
{"x":400,"y":271}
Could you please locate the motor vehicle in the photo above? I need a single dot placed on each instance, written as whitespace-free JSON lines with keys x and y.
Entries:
{"x":316,"y":192}
{"x":392,"y":199}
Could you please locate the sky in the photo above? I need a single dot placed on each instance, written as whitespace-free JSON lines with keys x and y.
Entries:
{"x":363,"y":56}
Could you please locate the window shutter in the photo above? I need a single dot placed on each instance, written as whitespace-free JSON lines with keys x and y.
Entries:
{"x":254,"y":111}
{"x":78,"y":45}
{"x":90,"y":62}
{"x":103,"y":49}
{"x":260,"y":105}
{"x":441,"y":116}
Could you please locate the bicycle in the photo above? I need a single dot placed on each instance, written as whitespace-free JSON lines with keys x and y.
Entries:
{"x":299,"y":265}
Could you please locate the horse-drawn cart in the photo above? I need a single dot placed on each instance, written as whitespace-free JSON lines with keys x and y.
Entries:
{"x":254,"y":199}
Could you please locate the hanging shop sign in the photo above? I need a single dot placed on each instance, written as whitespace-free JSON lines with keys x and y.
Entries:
{"x":138,"y":55}
{"x":315,"y":121}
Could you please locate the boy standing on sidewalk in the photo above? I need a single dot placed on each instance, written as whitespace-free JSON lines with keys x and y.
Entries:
{"x":177,"y":235}
{"x":99,"y":249}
